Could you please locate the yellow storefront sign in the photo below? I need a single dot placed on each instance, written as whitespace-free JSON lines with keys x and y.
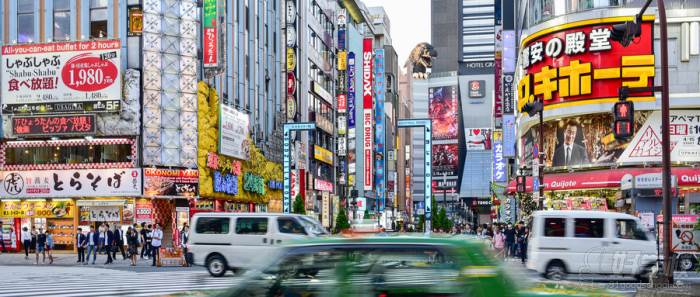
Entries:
{"x":37,"y":209}
{"x":323,"y":155}
{"x":342,"y":60}
{"x":291,"y":59}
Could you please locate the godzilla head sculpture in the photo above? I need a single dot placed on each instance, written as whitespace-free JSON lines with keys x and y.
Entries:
{"x":421,"y":58}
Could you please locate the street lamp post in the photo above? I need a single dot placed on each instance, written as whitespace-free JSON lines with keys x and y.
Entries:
{"x":624,"y":33}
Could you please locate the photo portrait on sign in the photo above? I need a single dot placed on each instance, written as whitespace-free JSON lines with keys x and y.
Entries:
{"x":478,"y":139}
{"x":443,"y":111}
{"x":578,"y":141}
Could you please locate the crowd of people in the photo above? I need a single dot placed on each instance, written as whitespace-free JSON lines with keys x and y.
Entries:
{"x":508,"y":241}
{"x":136,"y":242}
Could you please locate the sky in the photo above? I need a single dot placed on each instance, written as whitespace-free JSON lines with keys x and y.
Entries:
{"x":410,"y":23}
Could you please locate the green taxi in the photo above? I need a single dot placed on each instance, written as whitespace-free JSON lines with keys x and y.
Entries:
{"x":389,"y":266}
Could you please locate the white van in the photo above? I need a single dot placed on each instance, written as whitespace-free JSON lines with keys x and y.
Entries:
{"x":589,"y":242}
{"x":242,"y":241}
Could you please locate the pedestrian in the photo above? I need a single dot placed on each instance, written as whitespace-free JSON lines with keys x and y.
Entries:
{"x":40,"y":246}
{"x":525,"y":236}
{"x":156,"y":237}
{"x":49,"y":246}
{"x":498,"y":242}
{"x":132,"y":241}
{"x":145,"y":247}
{"x":26,"y":241}
{"x":510,"y":240}
{"x":2,"y":238}
{"x":119,"y":243}
{"x":80,"y":243}
{"x":110,"y":243}
{"x":184,"y":240}
{"x":93,"y":244}
{"x":33,"y":243}
{"x":102,"y":233}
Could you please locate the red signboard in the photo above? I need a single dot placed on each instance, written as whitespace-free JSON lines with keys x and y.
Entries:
{"x":580,"y":61}
{"x":54,"y":125}
{"x":342,"y":103}
{"x":367,"y":133}
{"x":291,"y":83}
{"x":687,"y":177}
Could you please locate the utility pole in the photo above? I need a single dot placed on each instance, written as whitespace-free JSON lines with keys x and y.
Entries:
{"x":624,"y":33}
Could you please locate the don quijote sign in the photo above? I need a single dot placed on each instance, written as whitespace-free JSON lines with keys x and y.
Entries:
{"x":61,"y":77}
{"x":579,"y":61}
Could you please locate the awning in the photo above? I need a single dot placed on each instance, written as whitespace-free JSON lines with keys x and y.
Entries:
{"x":100,"y":202}
{"x":687,"y":177}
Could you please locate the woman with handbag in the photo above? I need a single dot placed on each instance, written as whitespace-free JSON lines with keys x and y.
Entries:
{"x":132,"y":241}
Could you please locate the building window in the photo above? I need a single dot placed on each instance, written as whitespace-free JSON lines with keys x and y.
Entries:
{"x":98,"y":18}
{"x":65,"y":153}
{"x":61,"y":19}
{"x":25,"y":21}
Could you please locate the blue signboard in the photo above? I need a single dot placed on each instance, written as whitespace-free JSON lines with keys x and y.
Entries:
{"x":427,"y":126}
{"x":225,"y":183}
{"x":379,"y":141}
{"x":351,"y":90}
{"x":508,"y":135}
{"x":499,"y":162}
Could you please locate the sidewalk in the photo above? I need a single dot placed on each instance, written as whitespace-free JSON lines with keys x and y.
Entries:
{"x":70,"y":259}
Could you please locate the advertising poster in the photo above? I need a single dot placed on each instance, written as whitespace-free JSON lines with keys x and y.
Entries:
{"x":43,"y":209}
{"x":443,"y":112}
{"x":234,"y":127}
{"x":445,"y":159}
{"x":685,"y":139}
{"x":210,"y":35}
{"x":351,"y":90}
{"x":61,"y":77}
{"x":71,"y":183}
{"x":170,"y":182}
{"x":576,"y":142}
{"x":478,"y":139}
{"x":54,"y":125}
{"x":367,"y":116}
{"x":144,"y":211}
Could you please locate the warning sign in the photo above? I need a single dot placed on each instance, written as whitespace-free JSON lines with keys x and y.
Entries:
{"x":649,"y":145}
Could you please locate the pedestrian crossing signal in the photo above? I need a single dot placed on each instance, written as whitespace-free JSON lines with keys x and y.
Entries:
{"x":623,"y":125}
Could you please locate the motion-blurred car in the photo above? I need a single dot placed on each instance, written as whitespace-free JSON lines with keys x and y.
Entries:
{"x":386,"y":266}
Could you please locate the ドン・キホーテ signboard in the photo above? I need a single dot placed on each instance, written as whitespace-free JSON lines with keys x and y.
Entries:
{"x":61,"y":77}
{"x":579,"y":61}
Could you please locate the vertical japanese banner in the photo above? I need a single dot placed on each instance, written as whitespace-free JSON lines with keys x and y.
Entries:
{"x":351,"y":119}
{"x":367,"y":120}
{"x":379,"y":87}
{"x":210,"y":34}
{"x":499,"y":163}
{"x":498,"y":98}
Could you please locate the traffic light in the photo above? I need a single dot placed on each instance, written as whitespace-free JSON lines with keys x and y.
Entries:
{"x":532,"y":107}
{"x":623,"y":124}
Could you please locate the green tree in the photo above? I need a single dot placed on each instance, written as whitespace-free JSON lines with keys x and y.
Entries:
{"x":445,"y":223}
{"x":366,"y":215}
{"x":298,"y":206}
{"x":341,"y":221}
{"x":421,"y":224}
{"x":434,"y":215}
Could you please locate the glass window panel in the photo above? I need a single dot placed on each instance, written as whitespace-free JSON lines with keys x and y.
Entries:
{"x":98,"y":29}
{"x":589,"y":228}
{"x":98,"y":3}
{"x":61,"y":5}
{"x":212,"y":226}
{"x":98,"y":14}
{"x":61,"y":25}
{"x":554,"y":227}
{"x":75,"y":154}
{"x":253,"y":226}
{"x":25,"y":6}
{"x":25,"y":28}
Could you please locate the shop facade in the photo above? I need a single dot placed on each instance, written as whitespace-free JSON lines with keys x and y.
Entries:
{"x":571,"y":63}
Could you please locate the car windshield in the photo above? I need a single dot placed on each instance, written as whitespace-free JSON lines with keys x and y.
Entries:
{"x":382,"y":270}
{"x":312,"y":226}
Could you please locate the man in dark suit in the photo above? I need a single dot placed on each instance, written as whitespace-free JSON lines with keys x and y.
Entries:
{"x":118,"y":242}
{"x":110,"y":244}
{"x":80,"y":243}
{"x":570,"y":153}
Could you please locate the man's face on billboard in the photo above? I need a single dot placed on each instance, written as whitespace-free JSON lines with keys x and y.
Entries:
{"x":570,"y":134}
